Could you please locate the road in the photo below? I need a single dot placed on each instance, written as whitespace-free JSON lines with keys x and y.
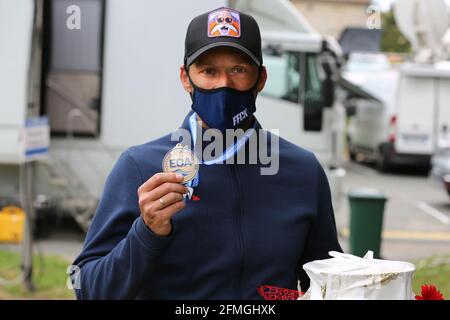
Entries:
{"x":417,"y":214}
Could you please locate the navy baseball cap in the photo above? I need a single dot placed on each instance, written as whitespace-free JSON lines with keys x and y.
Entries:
{"x":223,"y":27}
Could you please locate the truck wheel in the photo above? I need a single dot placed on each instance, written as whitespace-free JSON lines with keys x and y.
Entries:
{"x":382,"y":160}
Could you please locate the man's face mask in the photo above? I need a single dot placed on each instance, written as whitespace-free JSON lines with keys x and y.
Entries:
{"x":224,"y":108}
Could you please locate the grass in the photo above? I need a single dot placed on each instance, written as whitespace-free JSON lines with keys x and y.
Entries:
{"x":434,"y":270}
{"x":49,"y":277}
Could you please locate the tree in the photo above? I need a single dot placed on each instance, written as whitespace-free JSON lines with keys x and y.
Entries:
{"x":392,"y":39}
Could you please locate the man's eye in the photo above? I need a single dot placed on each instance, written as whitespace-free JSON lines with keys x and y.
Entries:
{"x":238,"y":70}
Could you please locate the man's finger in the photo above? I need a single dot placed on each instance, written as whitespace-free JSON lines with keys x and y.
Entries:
{"x":166,"y":188}
{"x":160,"y":178}
{"x":168,"y":199}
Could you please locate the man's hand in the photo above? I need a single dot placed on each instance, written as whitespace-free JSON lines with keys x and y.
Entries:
{"x":160,"y":197}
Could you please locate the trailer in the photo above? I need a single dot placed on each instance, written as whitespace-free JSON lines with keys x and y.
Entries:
{"x":106,"y":76}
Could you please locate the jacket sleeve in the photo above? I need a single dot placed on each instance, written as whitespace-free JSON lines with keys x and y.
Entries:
{"x":322,"y":236}
{"x":119,"y":249}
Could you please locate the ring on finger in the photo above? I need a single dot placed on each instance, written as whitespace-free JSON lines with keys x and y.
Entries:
{"x":162,"y":202}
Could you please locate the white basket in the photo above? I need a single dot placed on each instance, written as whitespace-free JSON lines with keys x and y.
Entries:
{"x":350,"y":277}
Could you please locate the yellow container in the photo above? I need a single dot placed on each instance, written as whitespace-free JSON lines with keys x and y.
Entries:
{"x":12,"y":221}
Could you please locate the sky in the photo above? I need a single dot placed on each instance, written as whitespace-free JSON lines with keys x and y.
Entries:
{"x":385,"y":4}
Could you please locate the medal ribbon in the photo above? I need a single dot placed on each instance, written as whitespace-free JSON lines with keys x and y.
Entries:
{"x":230,"y":151}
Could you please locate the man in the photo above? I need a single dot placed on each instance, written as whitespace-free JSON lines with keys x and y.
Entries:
{"x":217,"y":230}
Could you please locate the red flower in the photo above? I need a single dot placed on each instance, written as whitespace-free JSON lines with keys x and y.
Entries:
{"x":429,"y":292}
{"x":276,"y":293}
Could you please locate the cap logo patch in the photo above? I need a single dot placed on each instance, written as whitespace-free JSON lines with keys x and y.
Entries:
{"x":224,"y":23}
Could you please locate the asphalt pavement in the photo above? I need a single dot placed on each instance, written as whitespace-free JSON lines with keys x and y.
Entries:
{"x":416,"y":222}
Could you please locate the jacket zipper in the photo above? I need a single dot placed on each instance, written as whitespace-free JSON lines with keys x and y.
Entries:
{"x":237,"y":218}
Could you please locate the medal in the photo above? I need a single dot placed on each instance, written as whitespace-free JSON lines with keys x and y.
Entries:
{"x":181,"y":160}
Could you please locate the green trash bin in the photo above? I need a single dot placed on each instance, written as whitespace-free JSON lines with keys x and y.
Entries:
{"x":366,"y":221}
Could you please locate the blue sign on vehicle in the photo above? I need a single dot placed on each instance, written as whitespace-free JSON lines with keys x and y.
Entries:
{"x":36,"y":138}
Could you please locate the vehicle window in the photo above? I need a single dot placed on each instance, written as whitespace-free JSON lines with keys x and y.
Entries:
{"x":364,"y":62}
{"x":283,"y":80}
{"x":72,"y":68}
{"x":313,"y":89}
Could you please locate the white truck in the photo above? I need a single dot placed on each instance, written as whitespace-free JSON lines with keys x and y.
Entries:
{"x":409,"y":117}
{"x":109,"y":80}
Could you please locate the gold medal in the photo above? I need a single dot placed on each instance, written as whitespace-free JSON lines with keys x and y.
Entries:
{"x":181,"y":160}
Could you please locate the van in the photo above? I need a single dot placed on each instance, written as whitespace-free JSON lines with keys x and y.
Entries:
{"x":407,"y":118}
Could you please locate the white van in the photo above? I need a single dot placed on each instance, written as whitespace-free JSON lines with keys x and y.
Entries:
{"x":408,"y":118}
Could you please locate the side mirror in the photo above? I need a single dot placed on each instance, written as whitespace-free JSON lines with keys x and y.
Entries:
{"x":320,"y":87}
{"x":328,"y":81}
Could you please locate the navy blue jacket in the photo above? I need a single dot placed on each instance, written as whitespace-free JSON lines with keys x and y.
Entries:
{"x":247,"y":230}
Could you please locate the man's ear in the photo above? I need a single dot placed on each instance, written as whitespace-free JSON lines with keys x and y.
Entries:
{"x":185,"y":80}
{"x":262,"y":79}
